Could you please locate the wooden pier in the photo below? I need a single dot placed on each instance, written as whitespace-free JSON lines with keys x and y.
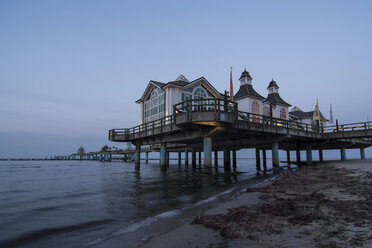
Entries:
{"x":206,"y":125}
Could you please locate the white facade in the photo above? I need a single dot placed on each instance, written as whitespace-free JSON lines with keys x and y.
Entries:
{"x":247,"y":98}
{"x":279,"y":111}
{"x":158,"y":99}
{"x":249,"y":104}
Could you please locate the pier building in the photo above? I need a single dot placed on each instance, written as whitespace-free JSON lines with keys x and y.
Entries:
{"x":194,"y":118}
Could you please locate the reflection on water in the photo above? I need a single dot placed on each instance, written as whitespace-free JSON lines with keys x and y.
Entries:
{"x":71,"y":203}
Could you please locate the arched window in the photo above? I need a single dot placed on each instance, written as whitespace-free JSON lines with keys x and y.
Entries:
{"x":283,"y":114}
{"x":256,"y":110}
{"x":266,"y":111}
{"x":155,"y":105}
{"x":199,"y":93}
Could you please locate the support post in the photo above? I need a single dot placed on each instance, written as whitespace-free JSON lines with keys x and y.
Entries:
{"x":288,"y":156}
{"x":216,"y":159}
{"x":275,"y":154}
{"x":137,"y":156}
{"x":258,"y":160}
{"x":362,"y":154}
{"x":320,"y":155}
{"x":167,"y":158}
{"x":207,"y":150}
{"x":193,"y":156}
{"x":234,"y":158}
{"x":163,"y":156}
{"x":264,"y":159}
{"x":343,"y":154}
{"x":147,"y":157}
{"x":309,"y":155}
{"x":226,"y":158}
{"x":179,"y":158}
{"x":187,"y":158}
{"x":200,"y":156}
{"x":298,"y":156}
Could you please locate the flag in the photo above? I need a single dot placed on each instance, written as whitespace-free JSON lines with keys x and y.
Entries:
{"x":331,"y":115}
{"x":231,"y":86}
{"x":316,"y":115}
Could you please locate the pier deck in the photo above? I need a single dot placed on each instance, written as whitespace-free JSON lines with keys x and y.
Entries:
{"x":228,"y":128}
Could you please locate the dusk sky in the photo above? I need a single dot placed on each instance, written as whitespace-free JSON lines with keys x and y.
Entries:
{"x":72,"y":70}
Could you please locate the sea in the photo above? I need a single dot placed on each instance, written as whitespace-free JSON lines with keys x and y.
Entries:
{"x":86,"y":203}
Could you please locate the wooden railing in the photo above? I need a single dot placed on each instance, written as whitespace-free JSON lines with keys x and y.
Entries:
{"x":147,"y":128}
{"x":272,"y":121}
{"x":225,"y":106}
{"x":348,"y":127}
{"x":205,"y":105}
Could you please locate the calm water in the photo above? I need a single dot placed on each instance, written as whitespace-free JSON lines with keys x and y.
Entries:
{"x":77,"y":203}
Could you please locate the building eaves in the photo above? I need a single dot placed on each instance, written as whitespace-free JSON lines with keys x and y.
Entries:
{"x":246,"y":90}
{"x":274,"y":98}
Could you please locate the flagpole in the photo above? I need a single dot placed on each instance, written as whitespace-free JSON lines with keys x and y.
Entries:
{"x":231,"y":86}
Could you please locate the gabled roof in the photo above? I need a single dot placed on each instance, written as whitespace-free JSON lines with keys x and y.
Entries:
{"x":299,"y":114}
{"x":152,"y":83}
{"x":246,"y":90}
{"x":181,"y":80}
{"x":159,"y":84}
{"x":208,"y":85}
{"x":178,"y":83}
{"x":274,"y":99}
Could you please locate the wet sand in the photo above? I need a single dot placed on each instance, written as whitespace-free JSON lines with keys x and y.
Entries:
{"x":324,"y":205}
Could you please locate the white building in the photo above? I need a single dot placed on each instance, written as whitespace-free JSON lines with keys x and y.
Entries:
{"x":298,"y":115}
{"x":158,"y":99}
{"x":279,"y":107}
{"x":247,"y":98}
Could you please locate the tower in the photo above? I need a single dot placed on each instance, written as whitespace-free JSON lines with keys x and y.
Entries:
{"x":245,"y":78}
{"x":273,"y":87}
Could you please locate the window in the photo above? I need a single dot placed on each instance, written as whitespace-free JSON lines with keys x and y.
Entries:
{"x":199,"y":93}
{"x":283,"y":114}
{"x":155,"y":105}
{"x":266,"y":111}
{"x":256,"y":110}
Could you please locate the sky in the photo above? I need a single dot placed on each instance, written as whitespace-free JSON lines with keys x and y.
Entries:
{"x":72,"y":70}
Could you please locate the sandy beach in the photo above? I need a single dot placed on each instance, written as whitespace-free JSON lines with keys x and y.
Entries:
{"x":327,"y":204}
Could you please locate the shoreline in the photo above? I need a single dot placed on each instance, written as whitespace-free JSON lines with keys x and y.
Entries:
{"x":324,"y":205}
{"x":167,"y":221}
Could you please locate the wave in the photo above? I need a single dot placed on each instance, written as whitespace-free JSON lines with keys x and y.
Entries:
{"x":148,"y":221}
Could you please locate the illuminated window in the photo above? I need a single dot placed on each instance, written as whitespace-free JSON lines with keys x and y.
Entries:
{"x":283,"y":114}
{"x":256,"y":110}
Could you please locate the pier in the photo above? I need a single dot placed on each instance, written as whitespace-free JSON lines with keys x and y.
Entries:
{"x":212,"y":125}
